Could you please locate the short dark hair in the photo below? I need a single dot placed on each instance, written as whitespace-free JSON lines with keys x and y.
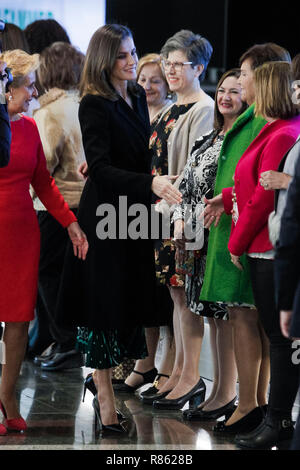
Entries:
{"x":42,"y":33}
{"x":197,"y":49}
{"x":259,"y":54}
{"x":61,"y":65}
{"x":13,"y":38}
{"x":218,"y":117}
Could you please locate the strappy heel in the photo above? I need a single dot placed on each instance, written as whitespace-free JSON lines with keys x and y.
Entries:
{"x":148,"y":377}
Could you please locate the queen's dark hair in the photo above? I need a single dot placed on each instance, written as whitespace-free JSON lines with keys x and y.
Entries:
{"x":100,"y":59}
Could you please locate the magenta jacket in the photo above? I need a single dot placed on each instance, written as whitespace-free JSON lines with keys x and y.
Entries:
{"x":250,"y":234}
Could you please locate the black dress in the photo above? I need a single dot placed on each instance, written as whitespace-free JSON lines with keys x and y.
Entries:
{"x":111,"y":295}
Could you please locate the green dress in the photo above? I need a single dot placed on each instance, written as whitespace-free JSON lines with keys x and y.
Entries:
{"x":223,"y":282}
{"x":106,"y":349}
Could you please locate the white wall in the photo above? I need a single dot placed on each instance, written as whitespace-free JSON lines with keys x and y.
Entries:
{"x":80,"y":18}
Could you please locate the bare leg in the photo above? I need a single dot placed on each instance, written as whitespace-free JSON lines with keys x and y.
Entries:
{"x":178,"y":363}
{"x":226,"y":387}
{"x":248,"y":353}
{"x":106,"y":396}
{"x":144,"y":365}
{"x":213,"y":346}
{"x":192,"y":330}
{"x":15,"y":338}
{"x":168,"y":354}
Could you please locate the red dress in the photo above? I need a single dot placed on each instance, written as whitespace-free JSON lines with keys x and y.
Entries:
{"x":19,"y":229}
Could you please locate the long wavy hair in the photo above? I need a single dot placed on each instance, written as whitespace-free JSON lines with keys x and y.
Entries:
{"x":100,"y":60}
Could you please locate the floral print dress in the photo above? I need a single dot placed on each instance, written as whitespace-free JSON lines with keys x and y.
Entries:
{"x":165,"y":249}
{"x":198,"y":181}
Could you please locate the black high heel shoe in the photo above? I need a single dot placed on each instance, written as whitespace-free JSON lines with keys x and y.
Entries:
{"x":148,"y":377}
{"x":149,"y":399}
{"x":109,"y":428}
{"x":152,"y":390}
{"x":244,"y":425}
{"x":195,"y":396}
{"x":90,"y":385}
{"x":202,"y":415}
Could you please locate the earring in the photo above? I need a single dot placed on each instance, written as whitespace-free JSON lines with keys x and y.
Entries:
{"x":10,"y":98}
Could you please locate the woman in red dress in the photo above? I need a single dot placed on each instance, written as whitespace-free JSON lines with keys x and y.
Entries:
{"x":19,"y":229}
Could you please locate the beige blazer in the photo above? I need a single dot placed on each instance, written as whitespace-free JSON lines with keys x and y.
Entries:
{"x":58,"y":125}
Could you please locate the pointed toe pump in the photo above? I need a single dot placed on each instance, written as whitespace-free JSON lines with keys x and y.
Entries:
{"x":89,"y":384}
{"x":202,"y":415}
{"x":3,"y":430}
{"x":14,"y":424}
{"x":195,"y":396}
{"x":105,"y":429}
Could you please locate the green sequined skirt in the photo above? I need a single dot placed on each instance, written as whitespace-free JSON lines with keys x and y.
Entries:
{"x":109,"y":348}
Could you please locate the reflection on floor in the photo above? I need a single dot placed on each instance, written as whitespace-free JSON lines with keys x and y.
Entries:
{"x":51,"y":403}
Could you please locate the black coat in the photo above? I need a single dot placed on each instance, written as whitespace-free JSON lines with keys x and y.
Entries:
{"x":115,"y":286}
{"x":287,"y":258}
{"x":5,"y":136}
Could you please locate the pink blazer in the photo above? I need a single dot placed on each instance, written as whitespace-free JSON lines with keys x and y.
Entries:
{"x":250,"y":234}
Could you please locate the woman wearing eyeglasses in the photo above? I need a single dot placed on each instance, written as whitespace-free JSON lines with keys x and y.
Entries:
{"x":185,"y":59}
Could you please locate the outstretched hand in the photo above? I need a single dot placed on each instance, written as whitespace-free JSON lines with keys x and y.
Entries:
{"x":79,"y":240}
{"x":213,"y":210}
{"x":162,"y":187}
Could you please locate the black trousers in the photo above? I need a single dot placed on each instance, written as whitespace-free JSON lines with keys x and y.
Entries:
{"x":284,"y":373}
{"x":54,"y":239}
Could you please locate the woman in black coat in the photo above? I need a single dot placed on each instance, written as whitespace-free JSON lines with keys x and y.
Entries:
{"x":287,"y":277}
{"x":111,"y":296}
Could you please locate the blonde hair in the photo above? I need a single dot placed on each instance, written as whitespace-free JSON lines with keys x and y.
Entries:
{"x":21,"y":64}
{"x":150,"y":59}
{"x":273,"y":91}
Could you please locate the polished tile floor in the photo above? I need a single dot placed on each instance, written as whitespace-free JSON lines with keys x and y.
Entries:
{"x":51,"y":402}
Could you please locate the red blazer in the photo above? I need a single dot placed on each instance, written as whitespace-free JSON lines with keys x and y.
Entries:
{"x":250,"y":234}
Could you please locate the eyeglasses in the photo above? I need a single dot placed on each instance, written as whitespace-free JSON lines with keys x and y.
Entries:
{"x":178,"y":66}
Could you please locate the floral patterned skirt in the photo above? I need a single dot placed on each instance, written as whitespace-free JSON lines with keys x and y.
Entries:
{"x":108,"y":349}
{"x":165,"y":264}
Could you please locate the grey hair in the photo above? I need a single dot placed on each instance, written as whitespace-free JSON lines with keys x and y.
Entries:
{"x":197,"y":48}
